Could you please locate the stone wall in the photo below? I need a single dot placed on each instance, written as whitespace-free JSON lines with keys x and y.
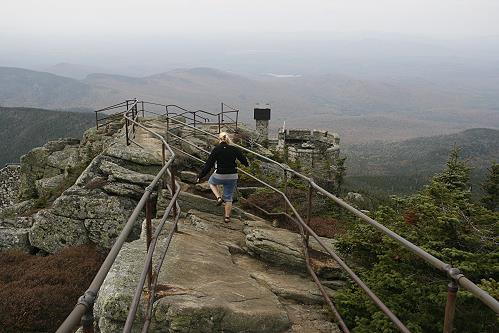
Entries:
{"x":9,"y":185}
{"x":316,"y":151}
{"x":262,"y":129}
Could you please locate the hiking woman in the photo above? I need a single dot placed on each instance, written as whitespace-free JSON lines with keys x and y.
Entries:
{"x":224,"y":157}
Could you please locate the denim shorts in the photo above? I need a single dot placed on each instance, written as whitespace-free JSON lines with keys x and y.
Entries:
{"x":228,"y":184}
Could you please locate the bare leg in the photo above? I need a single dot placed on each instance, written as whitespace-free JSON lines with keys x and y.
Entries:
{"x":228,"y":209}
{"x":214,"y":189}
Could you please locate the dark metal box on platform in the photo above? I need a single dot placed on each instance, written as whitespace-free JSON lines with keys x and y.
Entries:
{"x":262,"y":114}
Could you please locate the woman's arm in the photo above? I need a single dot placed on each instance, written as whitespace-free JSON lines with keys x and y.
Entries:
{"x":208,"y":165}
{"x":240,"y":156}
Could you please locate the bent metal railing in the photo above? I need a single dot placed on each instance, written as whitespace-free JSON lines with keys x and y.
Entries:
{"x":85,"y":303}
{"x":457,"y":279}
{"x":108,"y":114}
{"x":83,"y":311}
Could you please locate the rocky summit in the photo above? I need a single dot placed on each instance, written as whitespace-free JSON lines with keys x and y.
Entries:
{"x":243,"y":276}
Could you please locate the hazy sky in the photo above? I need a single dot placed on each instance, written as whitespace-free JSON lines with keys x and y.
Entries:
{"x":438,"y":18}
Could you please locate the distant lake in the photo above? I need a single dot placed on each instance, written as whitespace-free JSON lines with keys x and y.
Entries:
{"x":283,"y":75}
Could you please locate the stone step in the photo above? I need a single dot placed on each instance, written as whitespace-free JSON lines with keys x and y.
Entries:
{"x":284,"y":248}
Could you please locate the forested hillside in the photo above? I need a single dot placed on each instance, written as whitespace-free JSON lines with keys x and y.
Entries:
{"x":403,"y":167}
{"x":22,"y":129}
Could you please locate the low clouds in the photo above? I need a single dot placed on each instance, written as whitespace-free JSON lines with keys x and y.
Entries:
{"x":92,"y":17}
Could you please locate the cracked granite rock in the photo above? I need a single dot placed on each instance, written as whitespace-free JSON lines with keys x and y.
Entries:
{"x":216,"y":295}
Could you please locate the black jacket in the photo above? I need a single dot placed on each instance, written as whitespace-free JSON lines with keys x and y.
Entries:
{"x":225,"y":155}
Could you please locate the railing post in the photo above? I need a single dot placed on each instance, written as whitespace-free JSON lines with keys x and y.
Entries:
{"x":218,"y":123}
{"x":126,"y":132}
{"x":222,"y":107}
{"x":237,"y":115}
{"x":174,"y":189}
{"x":134,"y":116}
{"x":285,"y":190}
{"x":194,"y":118}
{"x":149,"y":237}
{"x":167,"y":127}
{"x":450,"y":307}
{"x":143,"y":111}
{"x":96,"y":121}
{"x":309,"y":211}
{"x":87,"y":320}
{"x":163,"y":153}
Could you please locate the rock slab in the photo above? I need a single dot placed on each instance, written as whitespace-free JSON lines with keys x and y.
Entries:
{"x":212,"y":294}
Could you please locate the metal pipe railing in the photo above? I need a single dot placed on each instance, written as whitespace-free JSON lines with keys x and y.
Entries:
{"x":147,"y":264}
{"x":84,"y":306}
{"x":452,"y":272}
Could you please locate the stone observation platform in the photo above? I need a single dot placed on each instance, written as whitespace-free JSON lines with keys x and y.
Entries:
{"x":243,"y":276}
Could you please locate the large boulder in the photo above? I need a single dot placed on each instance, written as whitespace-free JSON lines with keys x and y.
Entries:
{"x":9,"y":185}
{"x":47,"y":187}
{"x":124,"y":190}
{"x":201,"y":290}
{"x":59,"y":144}
{"x":52,"y":233}
{"x":80,"y":216}
{"x":14,"y":239}
{"x":18,"y":222}
{"x":120,"y":173}
{"x":281,"y":247}
{"x":23,"y":208}
{"x":278,"y":246}
{"x":94,"y":142}
{"x":32,"y":168}
{"x":66,"y":159}
{"x":133,"y":154}
{"x":45,"y":169}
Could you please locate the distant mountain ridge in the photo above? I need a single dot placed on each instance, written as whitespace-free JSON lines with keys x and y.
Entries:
{"x":74,"y":71}
{"x":359,"y":110}
{"x":26,"y":88}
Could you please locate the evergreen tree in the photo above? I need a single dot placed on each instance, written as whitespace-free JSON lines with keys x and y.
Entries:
{"x":443,"y":221}
{"x":339,"y":173}
{"x":491,"y":188}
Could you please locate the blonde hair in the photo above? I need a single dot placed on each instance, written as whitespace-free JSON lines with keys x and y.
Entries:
{"x":224,"y":137}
